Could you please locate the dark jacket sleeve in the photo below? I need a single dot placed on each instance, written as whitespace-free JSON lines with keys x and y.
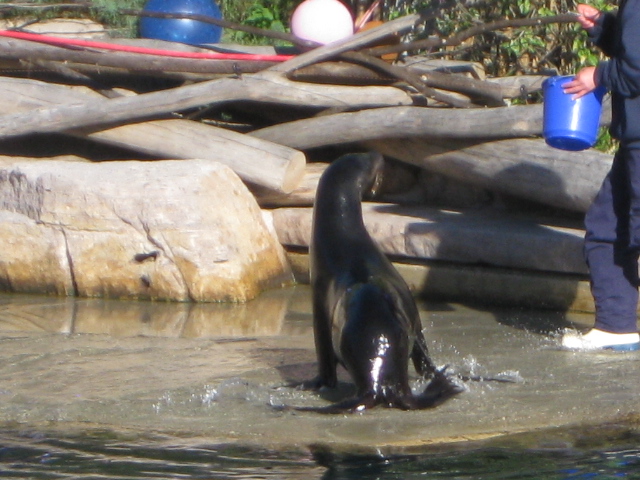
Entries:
{"x":621,"y":73}
{"x":602,"y":35}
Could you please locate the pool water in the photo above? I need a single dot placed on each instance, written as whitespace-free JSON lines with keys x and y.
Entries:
{"x":105,"y":456}
{"x":117,"y":390}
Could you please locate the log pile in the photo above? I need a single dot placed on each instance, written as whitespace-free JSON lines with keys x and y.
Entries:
{"x":277,"y":119}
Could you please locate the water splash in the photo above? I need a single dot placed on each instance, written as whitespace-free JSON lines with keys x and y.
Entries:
{"x":184,"y":400}
{"x":472,"y":369}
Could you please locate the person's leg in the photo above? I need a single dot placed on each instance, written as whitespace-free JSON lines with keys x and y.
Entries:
{"x":633,"y":162}
{"x":613,"y":265}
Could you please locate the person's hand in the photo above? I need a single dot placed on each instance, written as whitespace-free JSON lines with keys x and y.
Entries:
{"x":583,"y":83}
{"x":588,"y":15}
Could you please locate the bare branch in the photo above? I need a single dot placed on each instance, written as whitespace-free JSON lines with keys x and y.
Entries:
{"x":479,"y":29}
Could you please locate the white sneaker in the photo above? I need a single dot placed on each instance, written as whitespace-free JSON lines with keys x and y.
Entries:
{"x":600,"y":340}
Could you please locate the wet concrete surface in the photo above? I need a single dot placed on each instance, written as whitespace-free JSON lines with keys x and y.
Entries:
{"x":214,"y":373}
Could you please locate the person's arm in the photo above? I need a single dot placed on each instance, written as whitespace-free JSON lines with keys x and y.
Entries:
{"x":621,"y":73}
{"x":600,"y":28}
{"x":601,"y":34}
{"x":583,"y":82}
{"x":592,"y":20}
{"x":588,"y":16}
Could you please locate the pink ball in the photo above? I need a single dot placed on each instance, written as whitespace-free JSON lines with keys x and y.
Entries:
{"x":322,"y":21}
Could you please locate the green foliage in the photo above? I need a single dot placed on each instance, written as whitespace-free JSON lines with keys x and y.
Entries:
{"x":102,"y":11}
{"x":270,"y":15}
{"x":554,"y":48}
{"x":106,"y":12}
{"x":605,"y":143}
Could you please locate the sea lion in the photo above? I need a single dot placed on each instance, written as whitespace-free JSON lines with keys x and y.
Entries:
{"x":365,"y":317}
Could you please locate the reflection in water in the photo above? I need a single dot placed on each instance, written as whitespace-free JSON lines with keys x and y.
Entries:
{"x":260,"y":317}
{"x":102,"y":455}
{"x":492,"y":463}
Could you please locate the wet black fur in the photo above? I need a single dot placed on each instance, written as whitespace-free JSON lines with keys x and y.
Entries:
{"x":365,"y":317}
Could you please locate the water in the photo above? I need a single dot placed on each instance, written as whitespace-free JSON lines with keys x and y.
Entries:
{"x":106,"y":389}
{"x":102,"y":455}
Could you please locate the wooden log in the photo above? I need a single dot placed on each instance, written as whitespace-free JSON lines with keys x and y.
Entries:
{"x":399,"y":179}
{"x":421,"y":83}
{"x":273,"y":166}
{"x":276,"y":167}
{"x":474,"y":237}
{"x":304,"y":195}
{"x":486,"y":123}
{"x":23,"y":50}
{"x":16,"y":49}
{"x":526,"y":168}
{"x":268,"y":86}
{"x":143,"y":64}
{"x":360,"y":39}
{"x":342,"y":73}
{"x":517,"y":85}
{"x":263,"y":87}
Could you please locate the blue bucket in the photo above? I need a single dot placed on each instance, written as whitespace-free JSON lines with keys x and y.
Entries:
{"x":570,"y":124}
{"x":181,"y":30}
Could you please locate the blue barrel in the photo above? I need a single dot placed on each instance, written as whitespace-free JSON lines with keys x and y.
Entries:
{"x":181,"y":30}
{"x":570,"y":124}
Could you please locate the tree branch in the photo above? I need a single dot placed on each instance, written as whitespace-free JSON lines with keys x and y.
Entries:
{"x":479,"y":29}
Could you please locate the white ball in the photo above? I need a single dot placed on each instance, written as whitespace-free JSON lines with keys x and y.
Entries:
{"x":322,"y":21}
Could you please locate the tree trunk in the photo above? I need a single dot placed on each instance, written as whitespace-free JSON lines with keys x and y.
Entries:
{"x":526,"y":168}
{"x":273,"y":166}
{"x":267,"y":88}
{"x":394,"y":122}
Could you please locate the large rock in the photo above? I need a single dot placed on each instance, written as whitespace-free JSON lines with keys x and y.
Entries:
{"x":173,"y":230}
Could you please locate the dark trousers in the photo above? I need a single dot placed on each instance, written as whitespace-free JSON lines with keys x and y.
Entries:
{"x":612,"y":243}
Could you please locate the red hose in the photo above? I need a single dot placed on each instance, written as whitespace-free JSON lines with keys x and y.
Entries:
{"x":68,"y":42}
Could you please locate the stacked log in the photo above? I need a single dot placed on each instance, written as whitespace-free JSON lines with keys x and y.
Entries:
{"x":444,"y":119}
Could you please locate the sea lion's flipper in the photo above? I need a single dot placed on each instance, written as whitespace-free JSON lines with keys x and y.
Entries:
{"x":420,"y":356}
{"x":327,"y":360}
{"x":351,"y":405}
{"x":439,"y":390}
{"x":314,"y":384}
